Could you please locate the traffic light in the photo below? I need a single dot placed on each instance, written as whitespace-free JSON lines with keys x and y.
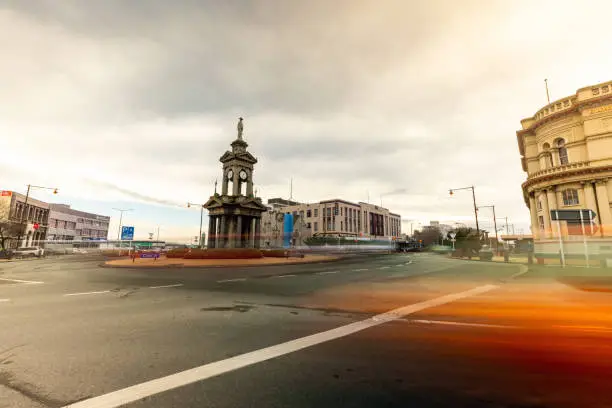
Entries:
{"x":36,"y":226}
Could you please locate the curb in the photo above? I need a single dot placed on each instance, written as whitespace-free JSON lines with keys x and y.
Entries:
{"x":182,"y":266}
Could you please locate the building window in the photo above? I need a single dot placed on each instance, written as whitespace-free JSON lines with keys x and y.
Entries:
{"x":316,"y":212}
{"x":539,"y":205}
{"x":570,"y":197}
{"x":329,"y":212}
{"x":341,"y":226}
{"x":316,"y":225}
{"x":341,"y":210}
{"x":563,"y":159}
{"x":336,"y":210}
{"x":308,"y":213}
{"x":541,"y":222}
{"x":329,"y":225}
{"x":302,"y":214}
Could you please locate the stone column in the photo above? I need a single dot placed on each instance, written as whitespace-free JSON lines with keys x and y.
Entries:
{"x":257,"y":232}
{"x":224,"y":184}
{"x":551,"y":196}
{"x":249,"y":185}
{"x":211,"y":231}
{"x":589,"y":200}
{"x":236,"y":184}
{"x":231,"y":222}
{"x":554,"y":152}
{"x":533,"y":209}
{"x":603,"y":203}
{"x":222,"y":237}
{"x":546,"y":213}
{"x":239,"y":234}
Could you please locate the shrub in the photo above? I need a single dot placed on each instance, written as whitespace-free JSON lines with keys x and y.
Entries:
{"x":275,"y":253}
{"x":177,"y":253}
{"x":115,"y":252}
{"x":229,"y":253}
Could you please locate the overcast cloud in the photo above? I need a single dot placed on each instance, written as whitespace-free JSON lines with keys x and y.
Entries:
{"x":397,"y":100}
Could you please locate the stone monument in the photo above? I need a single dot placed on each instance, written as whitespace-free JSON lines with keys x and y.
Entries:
{"x":235,"y":214}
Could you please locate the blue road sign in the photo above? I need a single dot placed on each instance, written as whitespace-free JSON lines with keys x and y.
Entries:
{"x":127,"y":233}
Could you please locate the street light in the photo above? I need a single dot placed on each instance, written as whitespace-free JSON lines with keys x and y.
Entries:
{"x":25,"y":207}
{"x":121,"y":219}
{"x":495,"y":225}
{"x":451,"y":192}
{"x":201,"y":216}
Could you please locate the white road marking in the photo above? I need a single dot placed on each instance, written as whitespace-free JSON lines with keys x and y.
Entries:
{"x":282,"y":276}
{"x":87,"y":293}
{"x":523,"y":270}
{"x":450,"y":323}
{"x":5,"y":300}
{"x":384,"y":267}
{"x":29,"y":282}
{"x":399,"y":265}
{"x":326,"y":272}
{"x":146,"y":389}
{"x":231,"y":280}
{"x":360,"y":269}
{"x":176,"y":285}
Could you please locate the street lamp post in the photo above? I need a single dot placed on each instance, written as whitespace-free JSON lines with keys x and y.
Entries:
{"x":495,"y":226}
{"x":452,"y":190}
{"x":121,"y":211}
{"x":25,"y":208}
{"x":201,"y":217}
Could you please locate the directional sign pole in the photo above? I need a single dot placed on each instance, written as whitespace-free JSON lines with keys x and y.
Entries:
{"x":586,"y":247}
{"x":560,"y":240}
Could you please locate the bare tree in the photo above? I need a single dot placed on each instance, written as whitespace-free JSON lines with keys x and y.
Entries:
{"x":9,"y":230}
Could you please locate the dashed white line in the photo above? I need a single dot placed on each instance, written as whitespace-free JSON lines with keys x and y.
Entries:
{"x":146,"y":389}
{"x":176,"y":285}
{"x":231,"y":280}
{"x":87,"y":293}
{"x":327,"y":272}
{"x":360,"y":269}
{"x":29,"y":282}
{"x":5,"y":300}
{"x":384,"y":267}
{"x":283,"y":276}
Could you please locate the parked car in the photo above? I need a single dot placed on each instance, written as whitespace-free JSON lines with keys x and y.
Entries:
{"x":24,"y":252}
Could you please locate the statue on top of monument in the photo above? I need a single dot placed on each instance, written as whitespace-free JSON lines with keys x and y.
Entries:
{"x":240,"y":128}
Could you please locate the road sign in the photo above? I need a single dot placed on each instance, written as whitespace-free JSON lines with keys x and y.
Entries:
{"x":127,"y":233}
{"x":5,"y":193}
{"x":572,"y":215}
{"x":154,"y":255}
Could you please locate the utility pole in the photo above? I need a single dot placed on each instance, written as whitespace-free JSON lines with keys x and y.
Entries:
{"x":157,"y":233}
{"x":494,"y":225}
{"x":24,"y":214}
{"x":201,"y":217}
{"x":452,"y":190}
{"x":121,"y":211}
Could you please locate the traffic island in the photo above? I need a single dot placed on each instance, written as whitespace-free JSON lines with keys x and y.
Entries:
{"x":165,"y":261}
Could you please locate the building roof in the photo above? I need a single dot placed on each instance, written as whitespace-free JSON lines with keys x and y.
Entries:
{"x":65,"y":209}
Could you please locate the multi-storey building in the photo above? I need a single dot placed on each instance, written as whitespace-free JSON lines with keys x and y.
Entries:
{"x":27,"y":218}
{"x":67,"y":224}
{"x":341,"y":218}
{"x":566,"y":150}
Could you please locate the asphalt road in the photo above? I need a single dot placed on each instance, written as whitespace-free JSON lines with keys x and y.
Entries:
{"x":460,"y":334}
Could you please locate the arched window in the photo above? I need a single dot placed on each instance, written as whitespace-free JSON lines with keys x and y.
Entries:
{"x":562,"y":152}
{"x":548,"y":163}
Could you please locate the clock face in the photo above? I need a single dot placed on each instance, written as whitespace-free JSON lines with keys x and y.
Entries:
{"x":230,"y":174}
{"x":243,"y":174}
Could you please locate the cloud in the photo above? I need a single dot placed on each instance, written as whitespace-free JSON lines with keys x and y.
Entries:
{"x":133,"y":194}
{"x":403,"y":100}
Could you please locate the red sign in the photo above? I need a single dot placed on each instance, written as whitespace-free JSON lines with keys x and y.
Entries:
{"x":5,"y":193}
{"x":36,"y":226}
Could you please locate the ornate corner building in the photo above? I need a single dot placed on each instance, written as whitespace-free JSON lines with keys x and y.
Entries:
{"x":566,"y":150}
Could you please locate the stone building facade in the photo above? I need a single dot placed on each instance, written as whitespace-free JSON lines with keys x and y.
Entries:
{"x":342,"y":218}
{"x":566,"y":151}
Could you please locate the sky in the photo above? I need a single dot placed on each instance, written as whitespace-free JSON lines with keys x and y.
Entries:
{"x":130,"y":104}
